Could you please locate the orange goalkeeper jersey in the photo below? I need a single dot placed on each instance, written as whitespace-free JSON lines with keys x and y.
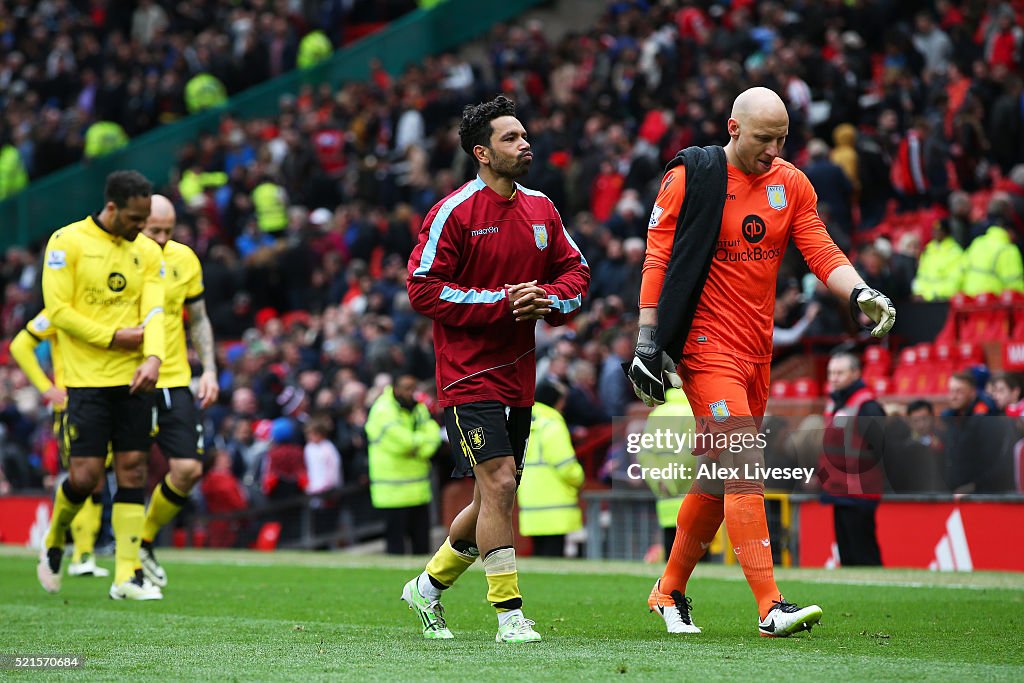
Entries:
{"x":762,"y":212}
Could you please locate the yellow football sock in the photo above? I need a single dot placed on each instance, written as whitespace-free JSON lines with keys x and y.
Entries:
{"x":66,"y":504}
{"x":86,"y":526}
{"x":448,"y":564}
{"x":502,"y":579}
{"x":164,"y":504}
{"x":127,"y":519}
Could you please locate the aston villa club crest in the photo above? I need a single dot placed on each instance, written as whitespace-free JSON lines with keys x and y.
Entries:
{"x":540,"y":236}
{"x":777,"y":197}
{"x":476,"y":438}
{"x":719,"y":410}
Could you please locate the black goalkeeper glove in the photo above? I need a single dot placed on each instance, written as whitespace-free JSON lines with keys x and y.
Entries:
{"x":650,"y":368}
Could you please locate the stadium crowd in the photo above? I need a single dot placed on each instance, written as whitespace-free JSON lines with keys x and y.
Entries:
{"x":79,"y":78}
{"x":304,"y":222}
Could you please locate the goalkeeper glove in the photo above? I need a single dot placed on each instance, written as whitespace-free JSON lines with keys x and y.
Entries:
{"x":650,"y":368}
{"x":875,"y":306}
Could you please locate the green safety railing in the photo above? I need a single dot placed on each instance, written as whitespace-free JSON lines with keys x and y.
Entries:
{"x":73,"y":192}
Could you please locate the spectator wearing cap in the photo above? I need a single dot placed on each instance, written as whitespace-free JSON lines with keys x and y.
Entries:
{"x":294,"y":403}
{"x":940,"y":269}
{"x":285,"y":478}
{"x":552,"y":476}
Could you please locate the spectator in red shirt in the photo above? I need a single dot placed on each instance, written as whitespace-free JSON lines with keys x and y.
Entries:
{"x":223,"y":493}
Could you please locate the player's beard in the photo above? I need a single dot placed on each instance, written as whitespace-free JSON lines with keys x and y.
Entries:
{"x":120,"y":229}
{"x":511,"y":167}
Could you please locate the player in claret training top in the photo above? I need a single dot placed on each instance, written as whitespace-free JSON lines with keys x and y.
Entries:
{"x":492,"y":259}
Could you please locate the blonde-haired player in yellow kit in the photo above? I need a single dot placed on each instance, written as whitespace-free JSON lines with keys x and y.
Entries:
{"x":180,"y":434}
{"x":103,"y":291}
{"x":86,"y":524}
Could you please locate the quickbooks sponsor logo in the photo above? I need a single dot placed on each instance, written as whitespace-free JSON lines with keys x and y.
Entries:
{"x":753,"y":254}
{"x":94,"y":296}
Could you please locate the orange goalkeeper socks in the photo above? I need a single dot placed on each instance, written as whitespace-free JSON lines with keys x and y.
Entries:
{"x":698,"y":520}
{"x":748,"y":532}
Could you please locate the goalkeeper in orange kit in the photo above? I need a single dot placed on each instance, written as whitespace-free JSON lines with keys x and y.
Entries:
{"x":717,"y":234}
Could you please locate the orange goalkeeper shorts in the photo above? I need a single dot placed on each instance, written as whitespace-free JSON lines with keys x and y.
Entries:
{"x":726,"y":393}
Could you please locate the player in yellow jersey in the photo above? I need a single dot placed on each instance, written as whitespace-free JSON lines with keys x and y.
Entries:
{"x":104,"y":293}
{"x":180,"y":435}
{"x":86,"y":524}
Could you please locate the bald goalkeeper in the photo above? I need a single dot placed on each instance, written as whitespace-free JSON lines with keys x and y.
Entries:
{"x":180,"y":434}
{"x":706,"y":307}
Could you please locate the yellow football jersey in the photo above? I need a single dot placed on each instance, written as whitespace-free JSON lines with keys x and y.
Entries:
{"x":23,"y":350}
{"x":95,"y":283}
{"x":183,"y":284}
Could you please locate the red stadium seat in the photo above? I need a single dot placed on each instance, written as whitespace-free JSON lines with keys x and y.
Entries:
{"x":266,"y":541}
{"x":873,"y":370}
{"x":960,"y":301}
{"x":968,"y":354}
{"x":1011,"y":298}
{"x":1017,"y":331}
{"x":905,"y":380}
{"x":805,"y":387}
{"x":997,"y":325}
{"x":908,"y":357}
{"x":780,"y":388}
{"x":937,"y":378}
{"x":877,"y":355}
{"x":947,"y":335}
{"x":943,"y":352}
{"x":881,"y":385}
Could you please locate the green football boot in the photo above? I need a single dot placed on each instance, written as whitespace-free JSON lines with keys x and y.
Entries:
{"x":431,"y":613}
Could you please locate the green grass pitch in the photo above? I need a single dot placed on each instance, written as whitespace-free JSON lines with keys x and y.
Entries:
{"x":244,"y":616}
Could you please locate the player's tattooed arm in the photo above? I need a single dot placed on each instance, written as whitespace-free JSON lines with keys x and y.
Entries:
{"x":201,"y":332}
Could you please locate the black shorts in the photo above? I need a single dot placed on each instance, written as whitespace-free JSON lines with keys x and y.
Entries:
{"x":181,"y":432}
{"x":60,"y":433}
{"x":484,"y":430}
{"x":98,"y":419}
